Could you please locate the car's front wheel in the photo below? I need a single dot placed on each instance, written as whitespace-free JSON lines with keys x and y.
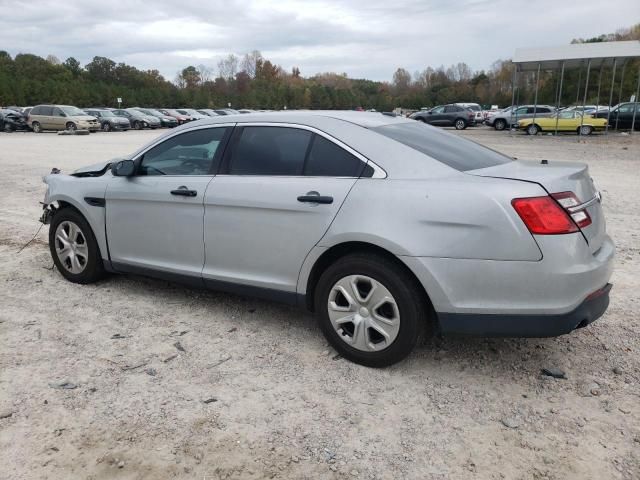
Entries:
{"x":71,"y":126}
{"x":106,"y":126}
{"x":460,"y":124}
{"x":533,"y":129}
{"x":74,"y":248}
{"x":585,"y":130}
{"x":370,"y":309}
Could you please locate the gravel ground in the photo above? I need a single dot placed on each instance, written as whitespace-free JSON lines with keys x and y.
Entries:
{"x":135,"y":378}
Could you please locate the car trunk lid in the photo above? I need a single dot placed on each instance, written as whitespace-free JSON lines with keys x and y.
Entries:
{"x":556,"y":177}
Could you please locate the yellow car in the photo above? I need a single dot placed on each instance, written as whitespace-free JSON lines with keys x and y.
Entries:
{"x":567,"y":122}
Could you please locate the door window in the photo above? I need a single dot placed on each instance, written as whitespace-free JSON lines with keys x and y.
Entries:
{"x":270,"y":151}
{"x":191,"y":153}
{"x":326,"y":159}
{"x":46,"y":111}
{"x":627,"y":108}
{"x":58,"y":112}
{"x":438,"y":109}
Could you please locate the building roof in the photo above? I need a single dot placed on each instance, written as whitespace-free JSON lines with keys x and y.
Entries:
{"x":576,"y":55}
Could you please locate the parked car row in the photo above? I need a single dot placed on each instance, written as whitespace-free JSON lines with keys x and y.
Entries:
{"x":534,"y":119}
{"x":67,"y":117}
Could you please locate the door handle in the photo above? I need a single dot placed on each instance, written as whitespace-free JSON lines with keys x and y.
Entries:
{"x":315,"y":199}
{"x":184,"y":192}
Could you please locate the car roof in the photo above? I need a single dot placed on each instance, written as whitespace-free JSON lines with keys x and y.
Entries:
{"x":309,"y":117}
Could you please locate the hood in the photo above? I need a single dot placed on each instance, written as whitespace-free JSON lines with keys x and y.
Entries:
{"x":96,"y":167}
{"x":150,"y":118}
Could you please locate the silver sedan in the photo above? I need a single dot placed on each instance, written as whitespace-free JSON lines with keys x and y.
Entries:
{"x":386,"y":228}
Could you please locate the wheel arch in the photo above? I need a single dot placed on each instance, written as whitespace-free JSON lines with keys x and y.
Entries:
{"x":335,"y":252}
{"x":95,"y":217}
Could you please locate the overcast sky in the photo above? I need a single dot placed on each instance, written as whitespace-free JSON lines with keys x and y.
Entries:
{"x":364,"y":38}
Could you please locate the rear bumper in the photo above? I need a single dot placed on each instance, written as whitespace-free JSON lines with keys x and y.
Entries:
{"x":496,"y":325}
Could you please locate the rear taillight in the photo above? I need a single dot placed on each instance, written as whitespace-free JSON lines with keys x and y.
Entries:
{"x":568,"y":200}
{"x":544,"y":216}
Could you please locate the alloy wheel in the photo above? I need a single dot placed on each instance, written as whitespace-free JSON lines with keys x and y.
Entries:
{"x":71,"y":247}
{"x":363,"y":313}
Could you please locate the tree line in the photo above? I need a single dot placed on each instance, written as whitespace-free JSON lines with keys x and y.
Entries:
{"x":252,"y":81}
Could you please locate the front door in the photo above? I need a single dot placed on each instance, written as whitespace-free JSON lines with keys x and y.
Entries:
{"x":155,"y":218}
{"x":278,"y":192}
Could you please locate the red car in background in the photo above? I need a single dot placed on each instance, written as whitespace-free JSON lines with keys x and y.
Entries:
{"x":181,"y":118}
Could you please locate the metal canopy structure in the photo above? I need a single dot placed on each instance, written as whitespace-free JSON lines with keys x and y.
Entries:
{"x":597,"y":55}
{"x":601,"y":54}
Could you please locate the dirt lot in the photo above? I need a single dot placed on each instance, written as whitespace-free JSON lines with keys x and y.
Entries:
{"x":168,"y":382}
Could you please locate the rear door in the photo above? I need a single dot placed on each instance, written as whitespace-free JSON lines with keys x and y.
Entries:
{"x":45,"y":117}
{"x":278,"y":191}
{"x":58,"y":119}
{"x":155,"y":218}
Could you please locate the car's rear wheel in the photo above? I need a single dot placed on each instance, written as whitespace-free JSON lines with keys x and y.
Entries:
{"x":460,"y":124}
{"x":7,"y":128}
{"x":369,"y":309}
{"x":71,"y":126}
{"x":533,"y":129}
{"x":36,"y":127}
{"x":500,"y":124}
{"x":74,"y":248}
{"x":106,"y":127}
{"x":585,"y":130}
{"x":137,"y":125}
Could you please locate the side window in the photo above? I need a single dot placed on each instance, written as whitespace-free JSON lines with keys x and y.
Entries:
{"x":270,"y":151}
{"x":626,"y":108}
{"x":36,"y":111}
{"x":46,"y":111}
{"x":191,"y":153}
{"x":326,"y":159}
{"x":542,"y":110}
{"x":57,"y":112}
{"x":437,"y":110}
{"x":521,"y":111}
{"x":450,"y":109}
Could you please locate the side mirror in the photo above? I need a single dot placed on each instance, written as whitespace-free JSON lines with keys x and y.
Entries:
{"x":123,"y":168}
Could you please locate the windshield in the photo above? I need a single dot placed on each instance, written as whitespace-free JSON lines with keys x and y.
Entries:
{"x":454,"y":151}
{"x":475,"y":108}
{"x":153,"y":111}
{"x":73,"y":111}
{"x":106,"y":113}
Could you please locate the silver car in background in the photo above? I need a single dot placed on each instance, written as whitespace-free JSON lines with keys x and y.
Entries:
{"x":509,"y":117}
{"x":385,"y":227}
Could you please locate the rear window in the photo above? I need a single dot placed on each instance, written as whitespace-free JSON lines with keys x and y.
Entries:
{"x":447,"y":148}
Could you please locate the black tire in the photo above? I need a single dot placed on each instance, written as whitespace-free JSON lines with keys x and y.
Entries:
{"x":36,"y":127}
{"x":137,"y":125}
{"x":585,"y":130}
{"x":533,"y":129}
{"x":500,"y":124}
{"x":71,"y":126}
{"x":408,"y":295}
{"x":93,"y":267}
{"x":460,"y":124}
{"x":7,"y":128}
{"x":106,"y":127}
